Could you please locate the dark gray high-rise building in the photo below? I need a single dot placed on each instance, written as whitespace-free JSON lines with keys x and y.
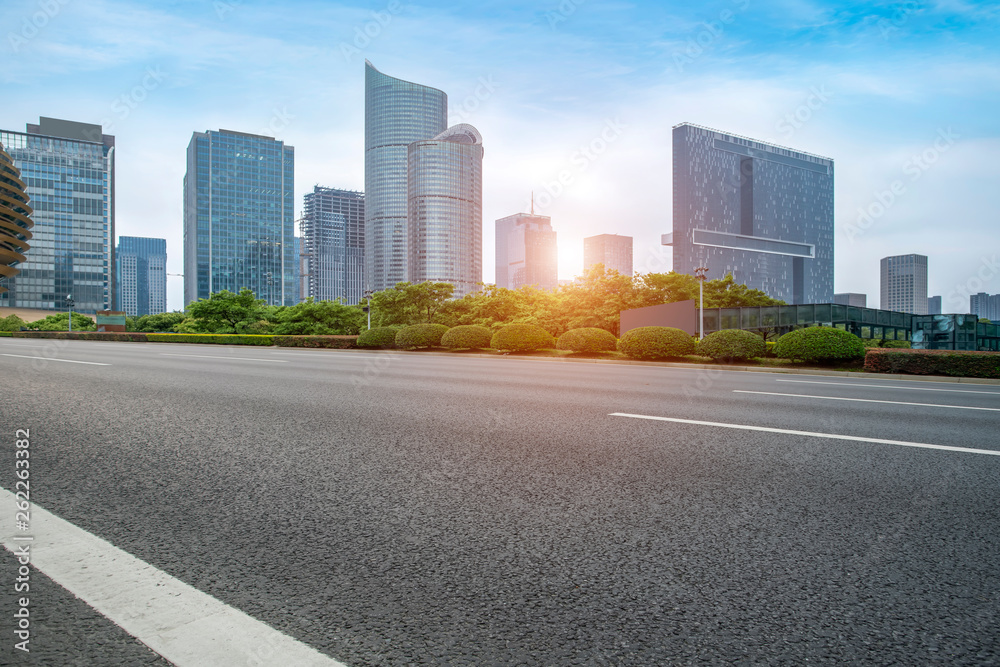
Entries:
{"x":333,"y":245}
{"x":445,"y":216}
{"x":142,"y":275}
{"x":761,"y":212}
{"x":239,"y":217}
{"x":934,"y":305}
{"x":397,"y":113}
{"x":526,"y":252}
{"x":611,"y":250}
{"x":69,"y":172}
{"x":904,"y":284}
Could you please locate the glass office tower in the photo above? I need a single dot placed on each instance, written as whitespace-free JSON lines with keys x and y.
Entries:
{"x":333,"y":243}
{"x":69,"y":172}
{"x":142,"y":275}
{"x":526,"y":252}
{"x":239,"y":216}
{"x":397,"y":113}
{"x":611,"y":250}
{"x":761,"y":212}
{"x":445,"y":213}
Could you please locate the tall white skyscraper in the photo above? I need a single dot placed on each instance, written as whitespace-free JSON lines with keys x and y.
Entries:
{"x":904,"y":284}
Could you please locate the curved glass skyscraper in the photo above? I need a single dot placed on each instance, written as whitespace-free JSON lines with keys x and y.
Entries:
{"x":397,"y":113}
{"x":445,"y":214}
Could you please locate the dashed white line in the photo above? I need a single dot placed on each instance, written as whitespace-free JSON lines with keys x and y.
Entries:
{"x":67,"y":361}
{"x":831,"y":436}
{"x":187,"y":627}
{"x":885,"y":386}
{"x":209,"y":356}
{"x":866,"y":400}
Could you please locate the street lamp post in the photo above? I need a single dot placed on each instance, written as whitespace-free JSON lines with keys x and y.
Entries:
{"x":368,"y":307}
{"x":699,"y":273}
{"x":69,"y":304}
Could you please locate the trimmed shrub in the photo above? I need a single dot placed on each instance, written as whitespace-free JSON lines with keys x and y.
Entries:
{"x":732,"y":345}
{"x":379,"y":337}
{"x":328,"y":342}
{"x":420,"y":335}
{"x":467,"y":336}
{"x":956,"y":363}
{"x":9,"y":334}
{"x":11,"y":323}
{"x":589,"y":339}
{"x":820,"y":345}
{"x":212,"y":339}
{"x":522,"y":338}
{"x":769,"y":348}
{"x":656,"y":343}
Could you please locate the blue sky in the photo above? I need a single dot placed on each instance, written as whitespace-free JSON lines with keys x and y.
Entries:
{"x":904,"y":96}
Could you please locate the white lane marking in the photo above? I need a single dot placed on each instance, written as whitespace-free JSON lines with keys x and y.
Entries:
{"x":866,"y":400}
{"x":832,"y":436}
{"x":187,"y":627}
{"x":886,"y":386}
{"x":209,"y":356}
{"x":68,"y":361}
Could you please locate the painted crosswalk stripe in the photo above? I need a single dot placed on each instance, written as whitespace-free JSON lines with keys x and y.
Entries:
{"x":185,"y":626}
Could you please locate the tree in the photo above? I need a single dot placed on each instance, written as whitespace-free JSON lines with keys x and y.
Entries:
{"x":60,"y":322}
{"x":225,"y":312}
{"x":315,"y":318}
{"x":162,"y":322}
{"x":409,"y":303}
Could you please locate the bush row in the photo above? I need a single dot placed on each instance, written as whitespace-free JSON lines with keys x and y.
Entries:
{"x":934,"y":362}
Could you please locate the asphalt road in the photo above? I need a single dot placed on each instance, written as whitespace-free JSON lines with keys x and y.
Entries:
{"x":406,"y":509}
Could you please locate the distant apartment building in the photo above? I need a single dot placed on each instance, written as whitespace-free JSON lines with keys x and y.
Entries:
{"x":68,"y":169}
{"x":142,"y":275}
{"x":333,"y":245}
{"x":526,"y":252}
{"x":761,"y":212}
{"x":933,"y":305}
{"x":985,"y":305}
{"x":611,"y":250}
{"x":904,"y":284}
{"x":239,"y":216}
{"x":851,"y":299}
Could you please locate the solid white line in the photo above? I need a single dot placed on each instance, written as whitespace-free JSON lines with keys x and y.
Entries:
{"x":68,"y":361}
{"x":886,"y":386}
{"x":187,"y":627}
{"x":866,"y":400}
{"x":209,"y":356}
{"x":832,"y":436}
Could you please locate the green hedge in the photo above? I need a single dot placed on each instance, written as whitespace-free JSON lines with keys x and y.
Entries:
{"x":732,"y":345}
{"x":956,"y":363}
{"x":820,"y":345}
{"x":769,"y":348}
{"x":329,"y":342}
{"x":887,"y":344}
{"x":467,"y":336}
{"x":84,"y":335}
{"x":379,"y":337}
{"x":588,"y":339}
{"x":420,"y":335}
{"x":214,"y":339}
{"x":8,"y":334}
{"x":522,"y":338}
{"x":656,"y":343}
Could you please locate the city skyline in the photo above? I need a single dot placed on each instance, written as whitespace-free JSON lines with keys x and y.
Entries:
{"x":898,"y":96}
